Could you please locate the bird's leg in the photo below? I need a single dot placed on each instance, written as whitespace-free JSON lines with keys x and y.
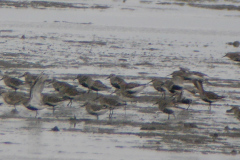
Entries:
{"x":125,"y":109}
{"x":188,"y":106}
{"x":36,"y":114}
{"x":70,"y":103}
{"x":109,"y":114}
{"x":174,"y":115}
{"x":53,"y":110}
{"x":112,"y":113}
{"x":209,"y":106}
{"x":168,"y":116}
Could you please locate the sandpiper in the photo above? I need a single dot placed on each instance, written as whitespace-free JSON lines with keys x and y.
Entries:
{"x":189,"y":75}
{"x":110,"y":103}
{"x":206,"y":96}
{"x":181,"y":99}
{"x":158,"y":84}
{"x":59,"y":84}
{"x":35,"y":102}
{"x":234,"y":110}
{"x":88,"y":82}
{"x":115,"y":80}
{"x":163,"y":105}
{"x":12,"y":82}
{"x":14,"y":98}
{"x":132,"y":88}
{"x":175,"y":85}
{"x":235,"y":56}
{"x":95,"y":109}
{"x":29,"y":78}
{"x":82,"y":79}
{"x":70,"y":92}
{"x":52,"y":100}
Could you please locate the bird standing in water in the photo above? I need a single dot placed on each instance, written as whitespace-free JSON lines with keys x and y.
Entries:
{"x":95,"y":109}
{"x":206,"y":96}
{"x":29,"y":78}
{"x":11,"y":82}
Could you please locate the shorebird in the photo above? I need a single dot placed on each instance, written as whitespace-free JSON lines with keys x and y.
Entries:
{"x":175,"y":85}
{"x":29,"y":78}
{"x":88,"y":82}
{"x":14,"y":98}
{"x":181,"y":99}
{"x":97,"y":85}
{"x":82,"y":79}
{"x":35,"y":102}
{"x":234,"y":110}
{"x":95,"y":109}
{"x":235,"y":56}
{"x":52,"y":100}
{"x":189,"y":75}
{"x":59,"y":84}
{"x":206,"y":96}
{"x":115,"y":80}
{"x":158,"y":84}
{"x":70,"y":92}
{"x":163,"y":105}
{"x":12,"y":82}
{"x":110,"y":103}
{"x":132,"y":88}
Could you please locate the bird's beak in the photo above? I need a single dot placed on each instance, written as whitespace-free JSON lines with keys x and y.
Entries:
{"x":83,"y":105}
{"x":21,"y":76}
{"x":224,"y":56}
{"x":155,"y":103}
{"x":96,"y":98}
{"x":108,"y":77}
{"x":150,"y":81}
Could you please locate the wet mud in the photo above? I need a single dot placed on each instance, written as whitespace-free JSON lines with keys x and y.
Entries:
{"x":70,"y":45}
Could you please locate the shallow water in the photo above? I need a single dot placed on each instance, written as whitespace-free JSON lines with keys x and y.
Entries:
{"x":138,"y":40}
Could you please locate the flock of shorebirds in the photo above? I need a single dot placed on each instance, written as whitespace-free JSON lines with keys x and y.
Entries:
{"x":171,"y":91}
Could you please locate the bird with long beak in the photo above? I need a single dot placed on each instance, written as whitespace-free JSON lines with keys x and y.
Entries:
{"x":110,"y":103}
{"x":158,"y":85}
{"x":206,"y":96}
{"x":234,"y":110}
{"x":175,"y":85}
{"x":95,"y":109}
{"x":70,"y":93}
{"x":97,"y":85}
{"x":29,"y":78}
{"x":52,"y":100}
{"x":189,"y":75}
{"x":94,"y":85}
{"x":115,"y":80}
{"x":14,"y":98}
{"x":235,"y":56}
{"x":35,"y":102}
{"x":183,"y":100}
{"x":59,"y":84}
{"x":82,"y":79}
{"x":164,"y":104}
{"x":132,"y":87}
{"x":11,"y":82}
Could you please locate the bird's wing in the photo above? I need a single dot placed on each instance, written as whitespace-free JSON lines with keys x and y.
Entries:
{"x":36,"y":90}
